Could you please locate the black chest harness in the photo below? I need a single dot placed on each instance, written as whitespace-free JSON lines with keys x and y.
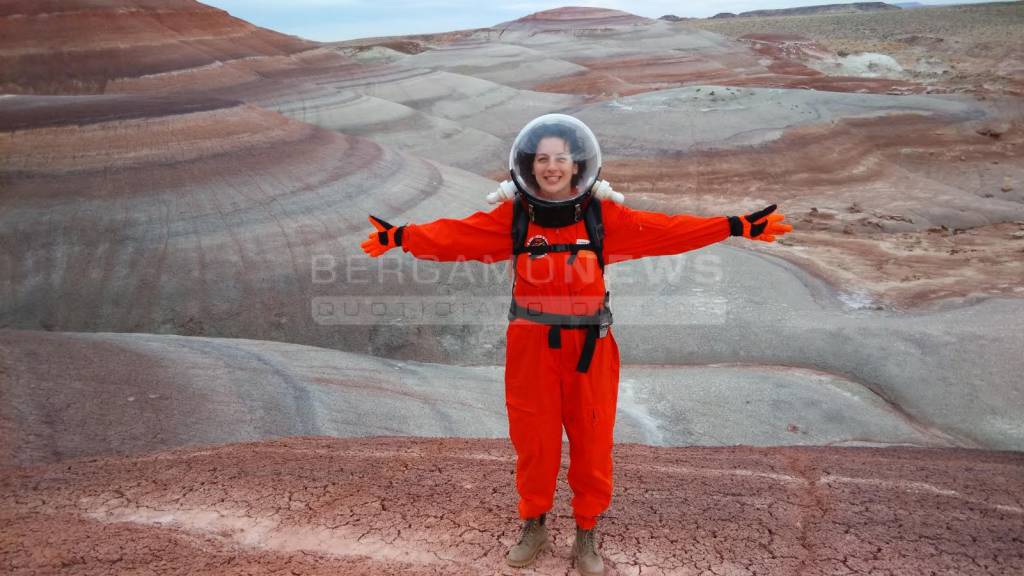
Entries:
{"x":596,"y":325}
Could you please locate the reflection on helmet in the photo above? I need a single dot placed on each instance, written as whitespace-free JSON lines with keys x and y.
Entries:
{"x":565,"y":134}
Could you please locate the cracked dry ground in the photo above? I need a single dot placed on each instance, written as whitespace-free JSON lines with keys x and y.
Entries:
{"x":442,"y":506}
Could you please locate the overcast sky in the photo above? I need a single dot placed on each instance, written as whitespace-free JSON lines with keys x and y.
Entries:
{"x":327,"y":20}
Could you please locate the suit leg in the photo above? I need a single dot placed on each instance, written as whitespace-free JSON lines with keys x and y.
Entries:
{"x":534,"y":415}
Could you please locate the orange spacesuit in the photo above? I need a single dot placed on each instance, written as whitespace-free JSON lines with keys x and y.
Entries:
{"x":562,"y":226}
{"x":544,"y":387}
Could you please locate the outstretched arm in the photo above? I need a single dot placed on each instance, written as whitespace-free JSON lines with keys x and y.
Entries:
{"x":635,"y":234}
{"x":484,"y":236}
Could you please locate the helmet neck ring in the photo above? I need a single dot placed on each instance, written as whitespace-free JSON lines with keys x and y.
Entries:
{"x":552,"y":214}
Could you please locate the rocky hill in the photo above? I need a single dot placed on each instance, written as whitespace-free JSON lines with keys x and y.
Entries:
{"x":80,"y":46}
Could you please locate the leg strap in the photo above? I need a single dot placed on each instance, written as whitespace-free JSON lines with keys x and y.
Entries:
{"x":589,"y":344}
{"x":555,"y":337}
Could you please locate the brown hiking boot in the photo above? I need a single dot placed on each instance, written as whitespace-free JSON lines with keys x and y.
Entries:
{"x":532,"y":540}
{"x":584,"y":554}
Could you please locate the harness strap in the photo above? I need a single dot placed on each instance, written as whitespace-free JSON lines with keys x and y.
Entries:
{"x":604,"y":316}
{"x":574,"y":249}
{"x":596,"y":326}
{"x":548,"y":248}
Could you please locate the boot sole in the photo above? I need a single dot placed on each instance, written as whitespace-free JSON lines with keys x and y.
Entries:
{"x":528,"y":561}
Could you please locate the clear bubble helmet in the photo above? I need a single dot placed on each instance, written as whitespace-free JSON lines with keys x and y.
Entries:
{"x":554,"y":162}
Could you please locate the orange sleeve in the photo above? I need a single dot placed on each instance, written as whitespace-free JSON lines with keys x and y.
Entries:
{"x":631,"y":234}
{"x":484,"y":236}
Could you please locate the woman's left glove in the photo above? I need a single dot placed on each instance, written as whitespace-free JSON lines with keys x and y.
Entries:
{"x":385,"y":238}
{"x":761,"y":225}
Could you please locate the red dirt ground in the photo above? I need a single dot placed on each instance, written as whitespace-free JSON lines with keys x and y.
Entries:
{"x":415,"y":506}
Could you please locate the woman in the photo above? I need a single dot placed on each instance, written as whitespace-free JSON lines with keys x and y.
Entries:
{"x":562,"y":362}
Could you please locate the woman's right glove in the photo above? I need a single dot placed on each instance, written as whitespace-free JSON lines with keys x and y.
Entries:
{"x":761,"y":225}
{"x":385,"y":238}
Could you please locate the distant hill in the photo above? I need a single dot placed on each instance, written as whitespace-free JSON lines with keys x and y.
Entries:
{"x":822,"y":9}
{"x":573,"y":17}
{"x":674,"y":18}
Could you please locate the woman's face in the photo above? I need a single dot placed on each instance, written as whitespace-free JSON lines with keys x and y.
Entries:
{"x":553,"y":167}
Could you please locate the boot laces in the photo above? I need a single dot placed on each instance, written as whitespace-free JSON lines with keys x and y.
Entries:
{"x":585,"y":541}
{"x":531,"y":525}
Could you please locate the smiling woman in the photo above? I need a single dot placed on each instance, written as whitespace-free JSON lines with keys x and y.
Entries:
{"x":561,"y":357}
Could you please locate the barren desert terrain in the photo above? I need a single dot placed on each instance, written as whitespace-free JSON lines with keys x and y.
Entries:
{"x":182,"y":197}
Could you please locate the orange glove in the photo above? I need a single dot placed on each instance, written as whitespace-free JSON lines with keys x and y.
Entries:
{"x":761,"y":225}
{"x":385,"y":238}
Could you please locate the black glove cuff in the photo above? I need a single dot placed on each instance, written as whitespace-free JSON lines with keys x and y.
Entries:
{"x":382,"y":237}
{"x":735,"y":226}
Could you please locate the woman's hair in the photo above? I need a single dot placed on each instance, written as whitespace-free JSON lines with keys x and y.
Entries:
{"x":528,"y":151}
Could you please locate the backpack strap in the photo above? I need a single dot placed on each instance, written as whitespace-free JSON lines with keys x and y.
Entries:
{"x":520,"y":224}
{"x":595,"y":229}
{"x":596,"y":326}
